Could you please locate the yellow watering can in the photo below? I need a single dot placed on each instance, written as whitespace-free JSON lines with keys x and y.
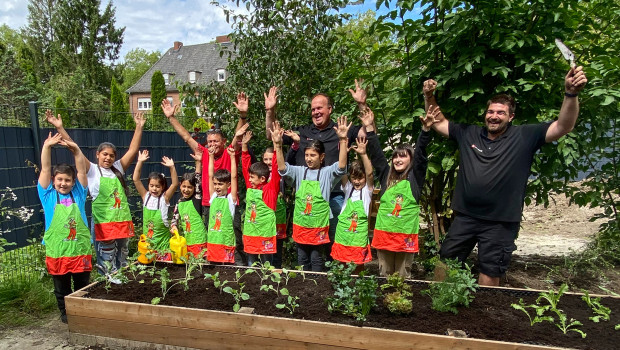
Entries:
{"x":143,"y":249}
{"x":178,"y":246}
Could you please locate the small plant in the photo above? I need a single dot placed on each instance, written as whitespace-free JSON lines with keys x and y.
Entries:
{"x":216,"y":280}
{"x":275,"y":277}
{"x":238,"y":294}
{"x":397,"y":301}
{"x":291,"y":301}
{"x":602,"y":312}
{"x":352,"y":297}
{"x":287,"y":275}
{"x":456,"y":290}
{"x":264,"y":270}
{"x":539,"y":312}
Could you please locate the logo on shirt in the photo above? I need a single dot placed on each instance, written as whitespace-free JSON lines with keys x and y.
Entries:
{"x":72,"y":226}
{"x":476,"y":148}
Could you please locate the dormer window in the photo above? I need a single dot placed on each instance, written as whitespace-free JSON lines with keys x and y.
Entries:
{"x":192,"y":77}
{"x":221,"y":75}
{"x":166,"y":78}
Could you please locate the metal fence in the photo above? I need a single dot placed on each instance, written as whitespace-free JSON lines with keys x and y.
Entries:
{"x":20,"y":140}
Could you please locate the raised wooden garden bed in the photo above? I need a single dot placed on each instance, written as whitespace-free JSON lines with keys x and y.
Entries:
{"x":89,"y":313}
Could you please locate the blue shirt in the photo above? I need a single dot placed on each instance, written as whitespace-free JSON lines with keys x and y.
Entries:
{"x":48,"y":200}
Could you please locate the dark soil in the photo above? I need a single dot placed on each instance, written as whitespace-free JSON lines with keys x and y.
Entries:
{"x":490,"y":315}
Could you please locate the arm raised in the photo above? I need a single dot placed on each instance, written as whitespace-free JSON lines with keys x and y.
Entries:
{"x":174,"y":177}
{"x":271,"y":101}
{"x":134,"y":146}
{"x":574,"y":82}
{"x":137,"y":171}
{"x":169,"y":112}
{"x":441,"y":124}
{"x":45,"y":176}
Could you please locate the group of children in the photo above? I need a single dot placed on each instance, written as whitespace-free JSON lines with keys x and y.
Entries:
{"x":68,"y":242}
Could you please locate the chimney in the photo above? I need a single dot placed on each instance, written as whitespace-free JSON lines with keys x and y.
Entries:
{"x":177,"y":45}
{"x":222,"y":39}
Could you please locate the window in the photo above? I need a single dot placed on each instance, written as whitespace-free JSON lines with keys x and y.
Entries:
{"x":221,"y":74}
{"x":192,"y":77}
{"x":170,"y":100}
{"x":166,"y":78}
{"x":144,"y":104}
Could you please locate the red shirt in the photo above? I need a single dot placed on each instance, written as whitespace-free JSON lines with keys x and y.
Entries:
{"x":271,"y":189}
{"x":223,"y":162}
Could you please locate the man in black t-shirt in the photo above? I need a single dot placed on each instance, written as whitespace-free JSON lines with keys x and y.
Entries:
{"x":494,"y":166}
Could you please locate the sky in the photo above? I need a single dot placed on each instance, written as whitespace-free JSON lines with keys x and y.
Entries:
{"x":157,"y":24}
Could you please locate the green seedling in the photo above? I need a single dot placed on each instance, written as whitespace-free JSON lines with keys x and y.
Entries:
{"x":216,"y":280}
{"x":456,"y":290}
{"x":238,"y":294}
{"x":291,"y":301}
{"x":352,"y":297}
{"x":602,"y":312}
{"x":539,"y":312}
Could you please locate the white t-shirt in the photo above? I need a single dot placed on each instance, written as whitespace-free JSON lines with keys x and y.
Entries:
{"x":94,"y":176}
{"x":231,"y":202}
{"x":364,"y":194}
{"x":152,"y":204}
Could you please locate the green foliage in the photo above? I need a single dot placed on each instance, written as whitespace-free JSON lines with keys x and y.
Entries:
{"x":539,"y":311}
{"x":397,"y":301}
{"x":14,"y":87}
{"x":216,"y":280}
{"x":136,"y":63}
{"x":456,"y":290}
{"x":119,"y":113}
{"x":238,"y":293}
{"x":291,"y":301}
{"x":352,"y":297}
{"x":60,"y":107}
{"x":601,"y":311}
{"x":158,"y":94}
{"x":24,"y":302}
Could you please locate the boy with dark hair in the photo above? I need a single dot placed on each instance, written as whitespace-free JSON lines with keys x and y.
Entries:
{"x":259,"y":226}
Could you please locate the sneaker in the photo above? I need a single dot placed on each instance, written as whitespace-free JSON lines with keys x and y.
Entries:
{"x":63,"y":317}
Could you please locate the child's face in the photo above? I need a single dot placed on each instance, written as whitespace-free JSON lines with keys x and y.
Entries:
{"x":106,"y":158}
{"x":313,"y":158}
{"x":155,"y":188}
{"x":256,"y":181}
{"x":221,"y":188}
{"x":401,"y":162}
{"x":63,"y":183}
{"x":268,"y":159}
{"x":187,"y":190}
{"x":358,"y":183}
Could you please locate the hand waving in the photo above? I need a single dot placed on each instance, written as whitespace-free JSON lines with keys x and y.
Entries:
{"x":143,"y":156}
{"x":242,"y":102}
{"x":342,"y":129}
{"x":272,"y":99}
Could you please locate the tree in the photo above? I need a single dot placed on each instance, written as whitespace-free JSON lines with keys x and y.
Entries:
{"x":118,"y":111}
{"x":13,"y":90}
{"x":60,"y":107}
{"x":158,"y":94}
{"x":40,"y":37}
{"x":137,"y":62}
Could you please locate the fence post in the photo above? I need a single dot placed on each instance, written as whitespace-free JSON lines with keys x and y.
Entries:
{"x":33,"y":106}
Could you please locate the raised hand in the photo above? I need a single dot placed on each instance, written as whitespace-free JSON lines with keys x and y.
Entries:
{"x":431,"y":117}
{"x":242,"y":130}
{"x":71,"y":146}
{"x":276,"y":133}
{"x":242,"y":102}
{"x":293,"y":135}
{"x":367,"y":117}
{"x":169,"y":111}
{"x":231,"y":151}
{"x":428,"y":88}
{"x":343,"y":128}
{"x":246,"y":137}
{"x":272,"y":99}
{"x":575,"y":80}
{"x":139,"y":119}
{"x":52,"y":140}
{"x":360,"y":147}
{"x":167,"y":162}
{"x":143,"y":156}
{"x":55,"y":121}
{"x":359,"y":95}
{"x":197,"y":155}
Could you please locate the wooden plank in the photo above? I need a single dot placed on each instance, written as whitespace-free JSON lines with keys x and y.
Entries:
{"x":199,"y":339}
{"x":326,"y":334}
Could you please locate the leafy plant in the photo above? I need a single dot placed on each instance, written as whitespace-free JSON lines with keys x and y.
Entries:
{"x":238,"y":294}
{"x":456,"y":290}
{"x":602,"y":312}
{"x":397,"y":303}
{"x":291,"y":301}
{"x":264,"y":270}
{"x":287,"y":275}
{"x":216,"y":280}
{"x":539,"y":312}
{"x":352,"y":297}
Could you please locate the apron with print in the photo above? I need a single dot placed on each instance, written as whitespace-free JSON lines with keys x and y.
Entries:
{"x":280,"y":218}
{"x":221,"y":236}
{"x":398,"y":220}
{"x":193,"y":227}
{"x":67,"y":241}
{"x":351,"y":241}
{"x":111,"y":210}
{"x":259,"y":225}
{"x":311,"y":215}
{"x":154,"y":228}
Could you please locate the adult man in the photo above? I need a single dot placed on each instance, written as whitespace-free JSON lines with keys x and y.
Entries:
{"x":322,"y":128}
{"x":493,"y":171}
{"x":217,"y":140}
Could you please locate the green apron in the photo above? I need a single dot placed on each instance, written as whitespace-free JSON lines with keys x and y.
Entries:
{"x":311,"y":216}
{"x":398,"y":220}
{"x":280,"y":218}
{"x":194,"y":228}
{"x":259,"y":226}
{"x":111,"y":212}
{"x":153,"y":226}
{"x":221,"y":236}
{"x":67,"y":240}
{"x":351,"y":241}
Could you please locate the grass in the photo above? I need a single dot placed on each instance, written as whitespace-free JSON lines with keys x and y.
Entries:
{"x":25,"y":302}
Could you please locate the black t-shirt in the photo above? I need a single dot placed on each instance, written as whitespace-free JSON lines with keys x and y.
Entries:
{"x":493,"y":174}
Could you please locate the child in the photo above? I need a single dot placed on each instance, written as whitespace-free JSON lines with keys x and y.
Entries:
{"x":280,"y":210}
{"x":351,"y":242}
{"x":221,"y":236}
{"x":155,"y":210}
{"x":188,"y":211}
{"x":312,"y":212}
{"x":67,"y":238}
{"x":259,"y":227}
{"x":111,"y":220}
{"x":396,"y":230}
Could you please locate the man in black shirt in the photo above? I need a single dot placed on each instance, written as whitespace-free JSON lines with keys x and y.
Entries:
{"x":494,"y":166}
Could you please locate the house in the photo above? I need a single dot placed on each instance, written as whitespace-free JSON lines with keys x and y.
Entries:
{"x":197,"y":64}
